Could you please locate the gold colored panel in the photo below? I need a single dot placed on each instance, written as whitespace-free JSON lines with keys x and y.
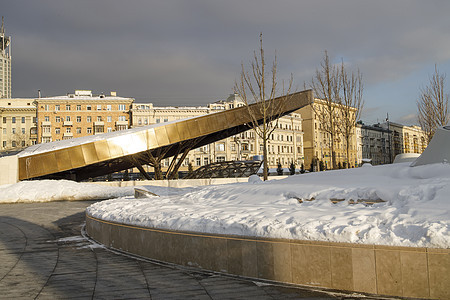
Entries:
{"x":172,"y":133}
{"x":439,"y":269}
{"x":89,"y":153}
{"x":183,"y":130}
{"x":214,"y":123}
{"x":389,"y":274}
{"x":76,"y":157}
{"x":194,"y":129}
{"x":102,"y":149}
{"x":63,"y":160}
{"x":414,"y":274}
{"x":231,"y":118}
{"x":114,"y":147}
{"x":204,"y":126}
{"x":364,"y":275}
{"x":161,"y":136}
{"x":138,"y":142}
{"x":22,"y":168}
{"x":49,"y":163}
{"x":34,"y":166}
{"x":341,"y":268}
{"x":152,"y":142}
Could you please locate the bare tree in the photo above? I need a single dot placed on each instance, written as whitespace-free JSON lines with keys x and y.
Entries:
{"x":433,"y":105}
{"x":261,"y":88}
{"x":350,"y":105}
{"x":327,"y":86}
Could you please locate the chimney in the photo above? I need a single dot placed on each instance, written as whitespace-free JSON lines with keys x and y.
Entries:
{"x":113,"y":94}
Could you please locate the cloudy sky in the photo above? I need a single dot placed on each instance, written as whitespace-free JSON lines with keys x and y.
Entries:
{"x":172,"y":52}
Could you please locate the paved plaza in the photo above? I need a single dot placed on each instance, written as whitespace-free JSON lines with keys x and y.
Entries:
{"x":44,"y":255}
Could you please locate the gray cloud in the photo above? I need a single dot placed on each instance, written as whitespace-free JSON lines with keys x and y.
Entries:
{"x":189,"y":52}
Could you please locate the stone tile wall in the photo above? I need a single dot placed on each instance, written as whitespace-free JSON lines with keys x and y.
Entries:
{"x":384,"y":270}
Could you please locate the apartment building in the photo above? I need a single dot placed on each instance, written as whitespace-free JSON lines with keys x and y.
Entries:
{"x":17,"y":123}
{"x":80,"y":114}
{"x":317,"y":142}
{"x":373,"y":143}
{"x":285,"y":144}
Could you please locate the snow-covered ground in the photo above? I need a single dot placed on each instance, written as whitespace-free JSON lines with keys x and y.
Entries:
{"x":58,"y":190}
{"x":416,"y":211}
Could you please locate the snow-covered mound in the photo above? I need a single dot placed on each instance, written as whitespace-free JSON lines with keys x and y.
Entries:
{"x":54,"y":190}
{"x":413,"y":207}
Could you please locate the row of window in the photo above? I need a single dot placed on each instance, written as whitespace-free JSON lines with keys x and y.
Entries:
{"x":79,"y":107}
{"x":58,"y":119}
{"x":15,"y":120}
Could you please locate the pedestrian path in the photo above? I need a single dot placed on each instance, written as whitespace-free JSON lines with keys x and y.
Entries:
{"x":44,"y":255}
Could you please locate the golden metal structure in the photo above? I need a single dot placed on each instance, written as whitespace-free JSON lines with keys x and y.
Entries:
{"x":111,"y":152}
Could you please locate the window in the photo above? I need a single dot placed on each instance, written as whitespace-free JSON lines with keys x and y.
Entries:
{"x":88,"y":119}
{"x":158,"y":121}
{"x":220,"y":147}
{"x":23,"y":120}
{"x":198,"y":161}
{"x":122,"y":107}
{"x":57,"y":130}
{"x":34,"y":119}
{"x":13,"y":120}
{"x":68,"y":129}
{"x":4,"y":144}
{"x":88,"y":107}
{"x":78,"y":107}
{"x":166,"y":120}
{"x":89,"y":130}
{"x":205,"y":161}
{"x":57,"y":119}
{"x":4,"y":119}
{"x":13,"y":131}
{"x":13,"y":143}
{"x":23,"y":130}
{"x":57,"y":107}
{"x":99,"y":118}
{"x":78,"y":130}
{"x":47,"y":107}
{"x":109,"y":118}
{"x":220,"y":158}
{"x":68,"y":118}
{"x":108,"y":107}
{"x":47,"y":119}
{"x":4,"y":130}
{"x":109,"y":129}
{"x":78,"y":119}
{"x":122,"y":118}
{"x":68,"y":107}
{"x":99,"y":107}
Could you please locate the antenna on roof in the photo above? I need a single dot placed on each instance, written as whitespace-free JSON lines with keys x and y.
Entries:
{"x":3,"y":24}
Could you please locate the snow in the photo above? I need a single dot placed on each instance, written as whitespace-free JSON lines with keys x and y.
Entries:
{"x":416,"y":211}
{"x":58,"y":190}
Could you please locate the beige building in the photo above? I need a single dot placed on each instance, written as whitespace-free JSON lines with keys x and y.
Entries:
{"x":285,"y":144}
{"x":18,"y":124}
{"x":405,"y":139}
{"x":317,"y":143}
{"x":80,"y":114}
{"x":372,"y":143}
{"x":5,"y":64}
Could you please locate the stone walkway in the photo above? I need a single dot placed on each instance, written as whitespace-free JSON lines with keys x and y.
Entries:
{"x":43,"y":255}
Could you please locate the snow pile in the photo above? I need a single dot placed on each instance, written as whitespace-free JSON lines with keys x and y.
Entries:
{"x":415,"y":211}
{"x":55,"y":190}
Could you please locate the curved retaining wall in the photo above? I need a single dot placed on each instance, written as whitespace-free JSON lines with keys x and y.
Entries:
{"x":385,"y":270}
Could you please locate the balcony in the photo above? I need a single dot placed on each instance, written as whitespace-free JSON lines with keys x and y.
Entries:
{"x":68,"y":123}
{"x":99,"y":123}
{"x":46,"y":134}
{"x":68,"y":134}
{"x":121,"y":123}
{"x":46,"y":123}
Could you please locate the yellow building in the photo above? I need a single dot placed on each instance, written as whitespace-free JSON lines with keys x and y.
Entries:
{"x":18,"y":123}
{"x":81,"y":114}
{"x":317,"y":142}
{"x":406,"y":139}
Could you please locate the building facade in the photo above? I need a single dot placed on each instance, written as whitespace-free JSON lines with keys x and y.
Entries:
{"x":405,"y":139}
{"x":81,"y":114}
{"x":317,"y":142}
{"x":17,"y":124}
{"x":285,"y":144}
{"x":373,"y":143}
{"x":5,"y":63}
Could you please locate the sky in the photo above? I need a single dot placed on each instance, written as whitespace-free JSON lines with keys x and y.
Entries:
{"x":183,"y":53}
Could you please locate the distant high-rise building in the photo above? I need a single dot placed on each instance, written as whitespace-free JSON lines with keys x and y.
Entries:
{"x":5,"y":64}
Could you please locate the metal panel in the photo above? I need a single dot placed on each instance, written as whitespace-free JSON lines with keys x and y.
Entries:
{"x":102,"y":149}
{"x":89,"y":153}
{"x":172,"y":133}
{"x":194,"y":128}
{"x":23,"y":168}
{"x":76,"y":157}
{"x":161,"y":136}
{"x":183,"y":130}
{"x":63,"y":160}
{"x":114,"y":147}
{"x":152,"y":142}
